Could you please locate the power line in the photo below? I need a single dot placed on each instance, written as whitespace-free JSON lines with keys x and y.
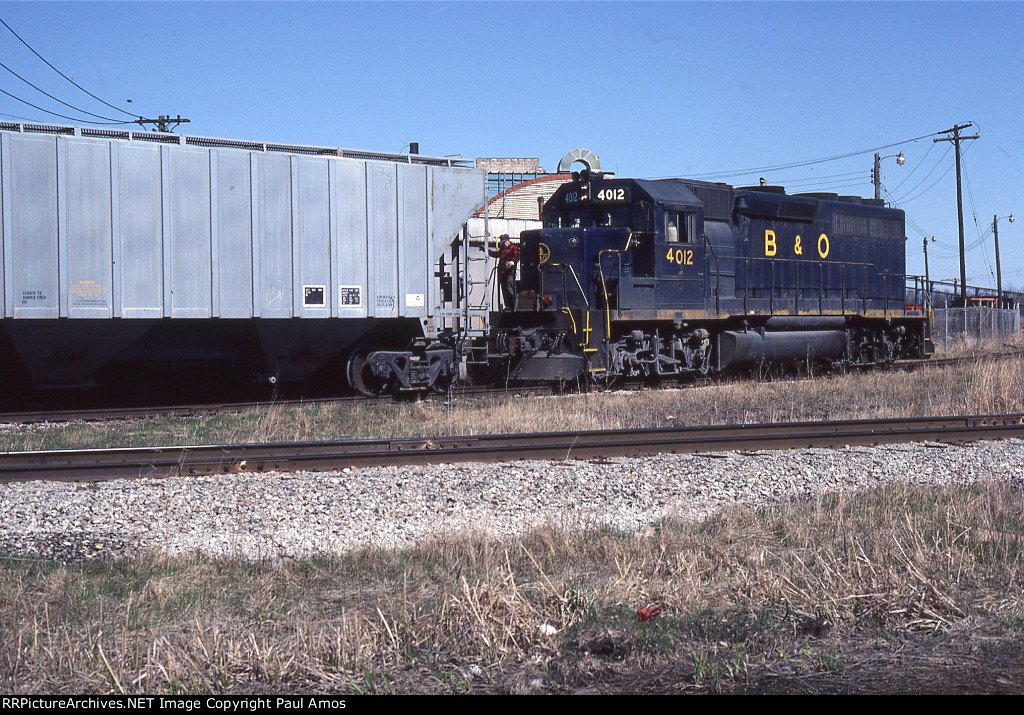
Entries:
{"x":161,"y":123}
{"x":816,"y":179}
{"x":809,"y":162}
{"x":69,"y":106}
{"x":817,"y":186}
{"x":56,"y":114}
{"x":64,"y":75}
{"x":932,"y":185}
{"x":926,"y":176}
{"x":907,"y":218}
{"x":15,"y":116}
{"x":917,"y":166}
{"x":970,"y":195}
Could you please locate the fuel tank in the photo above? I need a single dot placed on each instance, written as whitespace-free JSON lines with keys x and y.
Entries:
{"x":739,"y":349}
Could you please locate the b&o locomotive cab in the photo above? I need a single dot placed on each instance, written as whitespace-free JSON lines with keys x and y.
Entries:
{"x":677,"y":278}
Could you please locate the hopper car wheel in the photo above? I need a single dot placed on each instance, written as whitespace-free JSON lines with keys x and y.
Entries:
{"x":361,"y":377}
{"x":441,"y":385}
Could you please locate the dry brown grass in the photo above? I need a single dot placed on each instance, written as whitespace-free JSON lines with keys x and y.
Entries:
{"x":775,"y":600}
{"x":984,"y":385}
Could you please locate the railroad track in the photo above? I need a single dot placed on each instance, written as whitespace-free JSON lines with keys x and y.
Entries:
{"x":157,"y":462}
{"x":100,"y":414}
{"x":125,"y":413}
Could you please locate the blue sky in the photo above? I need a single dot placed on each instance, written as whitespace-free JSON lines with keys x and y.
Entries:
{"x":654,"y":89}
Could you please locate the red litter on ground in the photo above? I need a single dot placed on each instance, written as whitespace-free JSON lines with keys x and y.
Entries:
{"x":646,"y":614}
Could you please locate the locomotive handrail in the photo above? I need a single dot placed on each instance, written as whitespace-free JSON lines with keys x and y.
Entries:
{"x":718,"y":274}
{"x":491,"y":287}
{"x":604,"y":287}
{"x":586,"y":301}
{"x":798,"y":263}
{"x":563,"y":266}
{"x":604,"y":291}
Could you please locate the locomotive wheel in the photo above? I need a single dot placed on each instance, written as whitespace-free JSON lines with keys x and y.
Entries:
{"x":361,"y":377}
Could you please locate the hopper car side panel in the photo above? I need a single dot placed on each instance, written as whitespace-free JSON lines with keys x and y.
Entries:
{"x":139,"y":272}
{"x":231,"y":248}
{"x":348,"y":184}
{"x":87,"y":258}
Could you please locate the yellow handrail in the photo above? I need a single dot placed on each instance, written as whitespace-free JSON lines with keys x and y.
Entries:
{"x":604,"y":286}
{"x":569,"y":312}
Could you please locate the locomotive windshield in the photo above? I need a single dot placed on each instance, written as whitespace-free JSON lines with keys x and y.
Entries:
{"x":589,"y":216}
{"x":585,"y":204}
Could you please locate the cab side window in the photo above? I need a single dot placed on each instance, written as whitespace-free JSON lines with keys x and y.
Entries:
{"x":677,"y":227}
{"x":671,"y":227}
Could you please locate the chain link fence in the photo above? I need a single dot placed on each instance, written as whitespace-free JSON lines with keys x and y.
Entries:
{"x":952,"y":325}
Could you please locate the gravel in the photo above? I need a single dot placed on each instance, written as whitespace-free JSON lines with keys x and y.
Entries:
{"x":275,"y":515}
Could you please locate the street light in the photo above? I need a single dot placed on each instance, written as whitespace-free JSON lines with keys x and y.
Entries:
{"x":927,"y":280}
{"x":876,"y":175}
{"x":999,"y":273}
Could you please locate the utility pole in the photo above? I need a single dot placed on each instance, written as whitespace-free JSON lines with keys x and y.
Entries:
{"x":876,"y":173}
{"x":926,"y":281}
{"x":956,"y":139}
{"x":161,"y":123}
{"x":999,"y":273}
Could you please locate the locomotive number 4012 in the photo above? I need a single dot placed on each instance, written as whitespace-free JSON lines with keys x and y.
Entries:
{"x":683,"y":257}
{"x":614,"y":194}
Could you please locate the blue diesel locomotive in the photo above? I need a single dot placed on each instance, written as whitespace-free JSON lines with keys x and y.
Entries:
{"x":677,"y":278}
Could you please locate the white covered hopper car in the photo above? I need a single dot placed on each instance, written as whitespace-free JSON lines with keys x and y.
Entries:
{"x":124,"y":248}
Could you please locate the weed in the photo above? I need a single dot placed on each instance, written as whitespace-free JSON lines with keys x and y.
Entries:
{"x":736,"y":664}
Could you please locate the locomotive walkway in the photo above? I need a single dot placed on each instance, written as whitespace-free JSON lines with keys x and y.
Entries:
{"x":99,"y":464}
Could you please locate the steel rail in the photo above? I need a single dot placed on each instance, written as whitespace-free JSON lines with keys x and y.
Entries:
{"x":157,"y":462}
{"x":101,"y":414}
